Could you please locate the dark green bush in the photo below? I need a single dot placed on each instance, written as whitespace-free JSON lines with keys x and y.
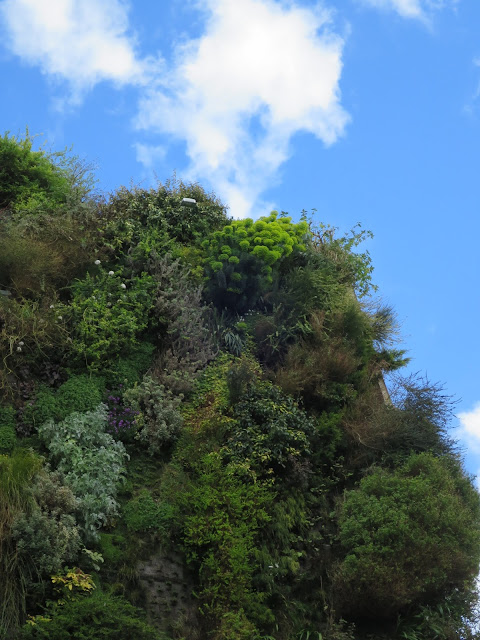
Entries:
{"x":42,"y":408}
{"x":8,"y":439}
{"x":409,"y":536}
{"x":112,"y":548}
{"x":7,"y":429}
{"x":163,"y":209}
{"x":79,"y":393}
{"x":143,"y":513}
{"x":129,"y":370}
{"x":7,"y":416}
{"x":94,"y":617}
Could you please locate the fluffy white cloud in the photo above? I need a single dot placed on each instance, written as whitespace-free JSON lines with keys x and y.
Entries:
{"x":409,"y":8}
{"x":261,"y":72}
{"x":80,"y":41}
{"x":470,"y":427}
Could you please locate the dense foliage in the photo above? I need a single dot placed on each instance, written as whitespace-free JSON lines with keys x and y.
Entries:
{"x":195,"y":436}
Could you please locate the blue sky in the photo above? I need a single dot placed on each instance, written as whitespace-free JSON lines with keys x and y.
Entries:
{"x":366,"y":110}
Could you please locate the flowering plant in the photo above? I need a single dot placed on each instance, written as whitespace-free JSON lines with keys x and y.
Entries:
{"x":122,"y":420}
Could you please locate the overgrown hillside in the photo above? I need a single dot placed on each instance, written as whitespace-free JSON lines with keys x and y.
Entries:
{"x":195,"y":440}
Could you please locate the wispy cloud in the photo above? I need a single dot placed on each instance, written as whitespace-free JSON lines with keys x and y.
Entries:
{"x":150,"y":156}
{"x":82,"y":42}
{"x":469,"y":430}
{"x":471,"y":107}
{"x":419,"y":9}
{"x":260,"y":73}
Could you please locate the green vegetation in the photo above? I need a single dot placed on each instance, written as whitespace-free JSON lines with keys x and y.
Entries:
{"x":193,"y":440}
{"x":90,"y":460}
{"x":99,"y":615}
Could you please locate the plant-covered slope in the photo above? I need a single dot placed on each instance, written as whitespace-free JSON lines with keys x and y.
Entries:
{"x":194,"y":440}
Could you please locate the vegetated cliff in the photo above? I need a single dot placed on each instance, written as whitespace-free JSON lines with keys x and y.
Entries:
{"x":194,"y":442}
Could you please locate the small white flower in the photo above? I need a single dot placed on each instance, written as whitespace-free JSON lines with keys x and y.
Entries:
{"x":109,"y":304}
{"x":21,"y":343}
{"x":19,"y":348}
{"x":111,"y":273}
{"x":52,"y":306}
{"x":97,"y":262}
{"x":60,"y":317}
{"x":123,"y":285}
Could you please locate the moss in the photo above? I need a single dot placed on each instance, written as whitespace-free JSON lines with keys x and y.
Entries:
{"x":129,"y":370}
{"x":7,"y":439}
{"x":112,"y":548}
{"x":7,"y":416}
{"x":143,"y":513}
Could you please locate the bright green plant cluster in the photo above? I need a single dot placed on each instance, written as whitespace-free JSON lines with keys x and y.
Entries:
{"x":243,"y":258}
{"x":92,"y":462}
{"x":109,"y":315}
{"x":80,"y":393}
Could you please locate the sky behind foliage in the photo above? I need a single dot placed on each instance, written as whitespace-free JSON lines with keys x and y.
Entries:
{"x":366,"y":110}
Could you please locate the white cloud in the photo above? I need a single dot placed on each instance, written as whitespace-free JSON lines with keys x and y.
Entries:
{"x":260,"y":73}
{"x":80,"y":41}
{"x":149,"y":155}
{"x":152,"y":158}
{"x":470,"y":427}
{"x":419,"y":9}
